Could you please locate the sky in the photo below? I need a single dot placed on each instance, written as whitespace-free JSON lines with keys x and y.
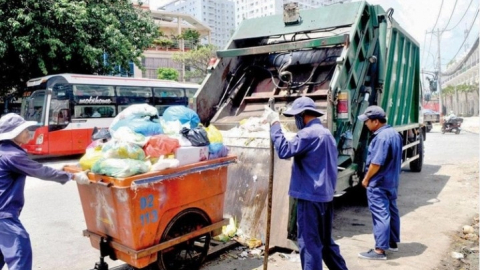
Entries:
{"x":419,"y":16}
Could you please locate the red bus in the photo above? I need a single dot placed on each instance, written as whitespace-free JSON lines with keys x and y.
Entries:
{"x":68,"y":106}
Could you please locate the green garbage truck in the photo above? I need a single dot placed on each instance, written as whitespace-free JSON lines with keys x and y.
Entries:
{"x":343,"y":56}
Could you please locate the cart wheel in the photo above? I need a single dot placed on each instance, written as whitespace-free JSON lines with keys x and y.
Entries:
{"x":188,"y":255}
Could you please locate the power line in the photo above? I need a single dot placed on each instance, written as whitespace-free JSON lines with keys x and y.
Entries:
{"x":438,"y":16}
{"x":466,"y":11}
{"x":451,"y":15}
{"x":433,"y":28}
{"x":471,"y":26}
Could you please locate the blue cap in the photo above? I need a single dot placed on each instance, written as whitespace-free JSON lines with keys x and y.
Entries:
{"x":372,"y":112}
{"x":302,"y":104}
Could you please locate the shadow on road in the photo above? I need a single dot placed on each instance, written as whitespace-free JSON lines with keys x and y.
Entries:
{"x":416,"y":190}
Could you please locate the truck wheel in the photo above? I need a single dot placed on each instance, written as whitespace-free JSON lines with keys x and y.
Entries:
{"x":416,"y":165}
{"x":190,"y":254}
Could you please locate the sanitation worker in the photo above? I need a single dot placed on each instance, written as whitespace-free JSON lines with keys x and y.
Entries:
{"x":15,"y":166}
{"x":312,"y":183}
{"x":384,"y":162}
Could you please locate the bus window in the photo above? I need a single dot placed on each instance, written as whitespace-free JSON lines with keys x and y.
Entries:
{"x":58,"y":113}
{"x":93,"y":90}
{"x":168,"y":92}
{"x":161,"y":109}
{"x":95,"y":111}
{"x":191,"y":92}
{"x":134,"y":91}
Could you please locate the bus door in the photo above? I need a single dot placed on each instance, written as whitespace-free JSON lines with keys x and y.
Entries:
{"x":60,"y":133}
{"x":166,"y":97}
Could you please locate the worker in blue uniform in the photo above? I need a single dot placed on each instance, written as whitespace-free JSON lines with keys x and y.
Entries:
{"x":381,"y":179}
{"x":15,"y":166}
{"x":313,"y":180}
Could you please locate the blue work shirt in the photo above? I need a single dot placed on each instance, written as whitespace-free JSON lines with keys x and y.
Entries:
{"x":314,"y":169}
{"x":385,"y":150}
{"x":15,"y":166}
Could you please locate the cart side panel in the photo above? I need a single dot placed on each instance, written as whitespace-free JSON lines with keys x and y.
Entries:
{"x":136,"y":216}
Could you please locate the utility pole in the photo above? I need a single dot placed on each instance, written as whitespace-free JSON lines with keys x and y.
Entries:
{"x":439,"y":69}
{"x":438,"y":33}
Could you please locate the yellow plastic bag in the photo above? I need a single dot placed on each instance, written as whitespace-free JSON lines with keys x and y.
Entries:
{"x":91,"y":156}
{"x":214,"y":135}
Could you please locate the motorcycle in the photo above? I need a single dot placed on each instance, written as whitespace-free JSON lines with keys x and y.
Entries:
{"x":453,"y":125}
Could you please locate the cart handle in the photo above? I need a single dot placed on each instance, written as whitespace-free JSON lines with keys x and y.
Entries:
{"x":103,"y":184}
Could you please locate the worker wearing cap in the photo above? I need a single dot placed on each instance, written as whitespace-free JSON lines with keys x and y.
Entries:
{"x":381,"y":179}
{"x":313,"y":180}
{"x":15,"y":166}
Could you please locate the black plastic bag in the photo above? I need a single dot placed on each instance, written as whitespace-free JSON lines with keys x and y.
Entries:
{"x":197,"y":136}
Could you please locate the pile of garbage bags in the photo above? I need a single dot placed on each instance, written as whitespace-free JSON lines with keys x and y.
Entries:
{"x":139,"y":140}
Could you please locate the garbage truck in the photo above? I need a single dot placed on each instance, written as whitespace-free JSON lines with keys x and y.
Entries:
{"x":343,"y":56}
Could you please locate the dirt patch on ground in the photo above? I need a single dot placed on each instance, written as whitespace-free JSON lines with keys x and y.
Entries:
{"x":463,"y":252}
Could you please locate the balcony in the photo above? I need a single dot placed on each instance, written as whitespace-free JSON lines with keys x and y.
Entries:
{"x":168,"y":44}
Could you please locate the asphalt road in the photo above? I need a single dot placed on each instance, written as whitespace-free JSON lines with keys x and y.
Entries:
{"x":433,"y":204}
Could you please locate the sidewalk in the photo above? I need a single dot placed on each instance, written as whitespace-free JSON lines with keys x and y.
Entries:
{"x":471,"y":124}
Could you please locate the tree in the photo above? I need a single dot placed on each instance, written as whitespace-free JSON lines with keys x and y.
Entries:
{"x":196,"y":61}
{"x":191,"y":35}
{"x":40,"y":38}
{"x":167,"y":74}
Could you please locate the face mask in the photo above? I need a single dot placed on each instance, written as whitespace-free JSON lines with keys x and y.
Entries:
{"x":299,"y":121}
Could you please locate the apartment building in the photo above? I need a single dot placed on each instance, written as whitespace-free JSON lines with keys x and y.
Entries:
{"x":219,"y":15}
{"x":247,"y":9}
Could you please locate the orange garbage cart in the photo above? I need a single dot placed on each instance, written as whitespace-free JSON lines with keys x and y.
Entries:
{"x":162,"y":219}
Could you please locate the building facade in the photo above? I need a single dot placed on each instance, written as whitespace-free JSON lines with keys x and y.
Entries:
{"x":247,"y":9}
{"x":170,"y":24}
{"x":463,"y":76}
{"x":219,"y":15}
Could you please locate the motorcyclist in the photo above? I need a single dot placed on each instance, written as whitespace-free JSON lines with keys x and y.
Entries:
{"x":449,"y":119}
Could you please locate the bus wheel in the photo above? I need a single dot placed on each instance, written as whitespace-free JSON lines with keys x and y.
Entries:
{"x":416,"y":165}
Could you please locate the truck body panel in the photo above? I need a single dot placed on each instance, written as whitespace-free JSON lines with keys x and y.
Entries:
{"x":345,"y":57}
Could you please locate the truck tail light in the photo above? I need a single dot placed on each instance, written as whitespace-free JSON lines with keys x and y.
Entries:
{"x":342,"y":105}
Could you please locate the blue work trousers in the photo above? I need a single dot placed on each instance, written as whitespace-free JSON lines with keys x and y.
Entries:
{"x":386,"y":219}
{"x":15,"y":247}
{"x":315,"y":240}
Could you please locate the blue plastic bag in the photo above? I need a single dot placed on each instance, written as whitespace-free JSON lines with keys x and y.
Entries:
{"x":147,"y":126}
{"x":217,"y":150}
{"x":183,"y":114}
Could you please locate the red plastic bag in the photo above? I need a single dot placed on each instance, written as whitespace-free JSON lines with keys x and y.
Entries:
{"x":160,"y":145}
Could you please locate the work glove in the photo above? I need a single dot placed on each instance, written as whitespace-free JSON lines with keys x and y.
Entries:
{"x":270,"y":116}
{"x":81,"y":178}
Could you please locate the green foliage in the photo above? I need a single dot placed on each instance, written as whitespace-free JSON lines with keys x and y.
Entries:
{"x":40,"y":38}
{"x":167,"y":74}
{"x":192,"y":35}
{"x":163,"y":42}
{"x":196,"y":61}
{"x":462,"y":88}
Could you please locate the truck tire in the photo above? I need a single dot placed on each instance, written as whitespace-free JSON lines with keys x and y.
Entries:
{"x":416,"y":165}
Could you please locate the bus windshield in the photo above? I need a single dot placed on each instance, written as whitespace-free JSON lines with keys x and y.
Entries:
{"x":33,"y":107}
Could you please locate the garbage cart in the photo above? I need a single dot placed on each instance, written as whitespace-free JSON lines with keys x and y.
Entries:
{"x":162,"y":219}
